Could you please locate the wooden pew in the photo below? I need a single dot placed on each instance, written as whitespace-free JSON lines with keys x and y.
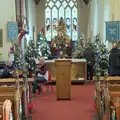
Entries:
{"x":1,"y":110}
{"x":11,"y":81}
{"x":109,"y":97}
{"x":98,"y":98}
{"x":7,"y":110}
{"x":99,"y":93}
{"x":11,"y":93}
{"x":111,"y":79}
{"x":116,"y":108}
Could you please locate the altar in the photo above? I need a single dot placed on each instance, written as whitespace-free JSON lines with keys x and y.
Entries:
{"x":78,"y":69}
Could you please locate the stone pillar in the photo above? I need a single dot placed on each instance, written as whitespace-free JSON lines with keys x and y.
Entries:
{"x":93,"y":19}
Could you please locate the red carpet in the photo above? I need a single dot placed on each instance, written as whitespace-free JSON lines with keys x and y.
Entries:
{"x":79,"y":108}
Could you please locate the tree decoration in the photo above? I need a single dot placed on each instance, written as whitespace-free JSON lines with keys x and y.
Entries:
{"x":61,"y":43}
{"x":101,"y":53}
{"x":62,"y":39}
{"x":30,"y":55}
{"x":42,"y":45}
{"x":80,"y":46}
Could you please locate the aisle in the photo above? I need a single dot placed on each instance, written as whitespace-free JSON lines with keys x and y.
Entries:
{"x":80,"y":108}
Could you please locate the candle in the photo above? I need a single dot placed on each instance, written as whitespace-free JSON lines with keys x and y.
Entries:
{"x":54,"y":45}
{"x":61,"y":52}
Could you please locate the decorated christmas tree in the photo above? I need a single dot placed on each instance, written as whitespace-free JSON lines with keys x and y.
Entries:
{"x":101,"y":53}
{"x":42,"y":45}
{"x":80,"y":46}
{"x":61,"y":39}
{"x":31,"y":54}
{"x":61,"y":44}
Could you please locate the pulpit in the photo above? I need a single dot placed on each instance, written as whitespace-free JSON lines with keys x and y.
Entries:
{"x":63,"y":79}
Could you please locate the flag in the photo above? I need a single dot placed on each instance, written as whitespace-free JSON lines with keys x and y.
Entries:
{"x":112,"y":31}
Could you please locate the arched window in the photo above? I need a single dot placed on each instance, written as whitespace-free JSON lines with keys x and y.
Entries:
{"x":54,"y":10}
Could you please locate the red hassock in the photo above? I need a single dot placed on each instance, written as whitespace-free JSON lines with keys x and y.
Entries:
{"x":94,"y":105}
{"x":30,"y":107}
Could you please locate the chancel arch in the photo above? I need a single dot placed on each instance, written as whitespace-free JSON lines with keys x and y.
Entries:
{"x":68,"y":10}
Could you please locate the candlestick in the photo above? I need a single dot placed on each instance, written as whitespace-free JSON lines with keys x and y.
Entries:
{"x":54,"y":45}
{"x":66,"y":45}
{"x":61,"y":52}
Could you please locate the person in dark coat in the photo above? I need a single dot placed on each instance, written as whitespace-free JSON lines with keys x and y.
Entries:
{"x":114,"y":61}
{"x":8,"y":70}
{"x":88,"y":54}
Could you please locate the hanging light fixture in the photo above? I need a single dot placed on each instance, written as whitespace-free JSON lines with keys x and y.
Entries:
{"x":86,"y":1}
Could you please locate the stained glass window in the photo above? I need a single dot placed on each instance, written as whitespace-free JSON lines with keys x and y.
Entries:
{"x":67,"y":9}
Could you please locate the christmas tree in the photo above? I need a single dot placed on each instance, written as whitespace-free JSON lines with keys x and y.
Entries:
{"x":80,"y":46}
{"x":101,"y":53}
{"x":42,"y":45}
{"x":61,"y":39}
{"x":31,"y":54}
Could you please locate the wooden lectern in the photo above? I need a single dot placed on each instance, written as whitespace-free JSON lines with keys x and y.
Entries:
{"x":63,"y":79}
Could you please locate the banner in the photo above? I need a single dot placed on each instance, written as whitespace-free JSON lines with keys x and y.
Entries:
{"x":112,"y":31}
{"x":12,"y":30}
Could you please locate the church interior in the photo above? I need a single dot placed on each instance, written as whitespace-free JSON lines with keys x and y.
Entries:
{"x":59,"y":59}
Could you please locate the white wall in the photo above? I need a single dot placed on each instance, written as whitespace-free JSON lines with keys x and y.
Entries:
{"x":7,"y":12}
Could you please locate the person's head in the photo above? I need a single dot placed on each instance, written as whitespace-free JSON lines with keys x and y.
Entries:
{"x":114,"y":45}
{"x":42,"y":60}
{"x":9,"y":63}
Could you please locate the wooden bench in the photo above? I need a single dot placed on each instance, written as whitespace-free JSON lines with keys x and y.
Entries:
{"x":27,"y":95}
{"x":10,"y":92}
{"x":7,"y":110}
{"x":108,"y":101}
{"x":99,"y":93}
{"x":111,"y":79}
{"x":116,"y":108}
{"x":1,"y":110}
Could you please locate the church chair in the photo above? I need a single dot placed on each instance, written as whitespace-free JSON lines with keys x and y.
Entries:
{"x":47,"y":84}
{"x":41,"y":84}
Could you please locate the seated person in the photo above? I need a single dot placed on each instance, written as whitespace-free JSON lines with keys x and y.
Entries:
{"x":8,"y":70}
{"x":41,"y":75}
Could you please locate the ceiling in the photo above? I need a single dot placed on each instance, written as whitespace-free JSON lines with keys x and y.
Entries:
{"x":86,"y":1}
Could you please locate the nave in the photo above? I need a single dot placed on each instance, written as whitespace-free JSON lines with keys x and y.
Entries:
{"x":79,"y":108}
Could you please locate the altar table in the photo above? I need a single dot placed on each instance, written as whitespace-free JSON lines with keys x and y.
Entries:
{"x":78,"y":69}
